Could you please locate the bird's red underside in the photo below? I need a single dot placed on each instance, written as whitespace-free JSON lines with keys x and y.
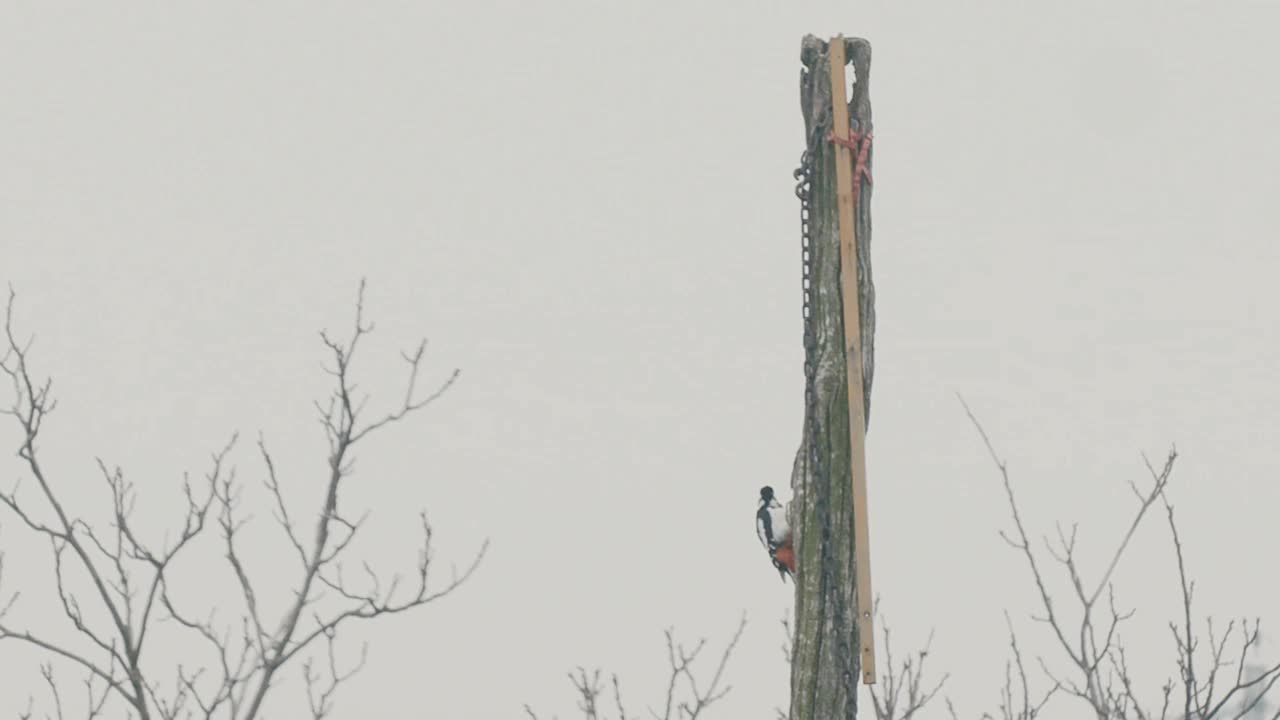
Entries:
{"x":786,"y":556}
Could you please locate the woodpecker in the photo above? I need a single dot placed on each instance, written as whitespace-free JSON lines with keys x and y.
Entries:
{"x":775,"y":534}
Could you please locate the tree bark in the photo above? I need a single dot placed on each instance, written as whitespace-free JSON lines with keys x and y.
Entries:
{"x":825,"y":663}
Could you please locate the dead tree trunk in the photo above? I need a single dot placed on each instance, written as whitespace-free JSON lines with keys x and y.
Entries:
{"x":825,"y":662}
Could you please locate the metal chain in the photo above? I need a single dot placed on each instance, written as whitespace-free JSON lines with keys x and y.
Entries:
{"x":817,"y":476}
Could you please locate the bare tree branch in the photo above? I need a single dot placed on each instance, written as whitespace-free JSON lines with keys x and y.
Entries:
{"x":131,"y":576}
{"x":1101,"y":675}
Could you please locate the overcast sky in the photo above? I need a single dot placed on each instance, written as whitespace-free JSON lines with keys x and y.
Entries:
{"x":587,"y":207}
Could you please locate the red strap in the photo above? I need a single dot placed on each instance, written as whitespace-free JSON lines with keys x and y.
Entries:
{"x":859,"y":144}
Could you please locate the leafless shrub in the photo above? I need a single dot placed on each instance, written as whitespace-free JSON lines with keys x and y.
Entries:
{"x":905,"y":692}
{"x":686,"y":696}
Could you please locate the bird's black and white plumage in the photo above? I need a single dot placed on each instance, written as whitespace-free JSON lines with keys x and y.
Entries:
{"x":775,"y":533}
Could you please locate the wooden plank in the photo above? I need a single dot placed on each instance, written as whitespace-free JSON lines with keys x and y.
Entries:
{"x":846,"y":201}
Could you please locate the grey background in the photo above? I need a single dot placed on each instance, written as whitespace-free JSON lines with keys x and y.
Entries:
{"x":587,"y":207}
